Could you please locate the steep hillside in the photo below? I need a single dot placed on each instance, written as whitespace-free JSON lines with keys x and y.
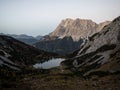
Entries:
{"x":14,"y":54}
{"x":17,"y":59}
{"x":100,"y":53}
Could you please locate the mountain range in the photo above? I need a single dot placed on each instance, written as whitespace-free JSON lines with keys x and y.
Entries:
{"x":30,"y":40}
{"x":78,"y":28}
{"x":69,"y":35}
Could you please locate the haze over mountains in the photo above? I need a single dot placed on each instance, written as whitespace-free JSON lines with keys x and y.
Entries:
{"x":25,"y":38}
{"x":69,"y":35}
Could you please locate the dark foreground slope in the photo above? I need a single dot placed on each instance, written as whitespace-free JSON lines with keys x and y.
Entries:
{"x":16,"y":59}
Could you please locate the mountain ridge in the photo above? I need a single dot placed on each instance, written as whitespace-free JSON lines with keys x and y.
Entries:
{"x":79,"y":30}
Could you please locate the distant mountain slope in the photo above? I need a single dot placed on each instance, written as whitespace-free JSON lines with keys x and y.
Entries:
{"x":14,"y":54}
{"x":100,"y":53}
{"x":25,"y":38}
{"x":69,"y":35}
{"x":38,"y":37}
{"x":60,"y":46}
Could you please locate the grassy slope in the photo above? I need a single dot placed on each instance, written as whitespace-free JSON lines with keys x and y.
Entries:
{"x":54,"y":79}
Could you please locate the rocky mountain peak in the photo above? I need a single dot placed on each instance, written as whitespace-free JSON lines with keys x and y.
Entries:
{"x":78,"y":28}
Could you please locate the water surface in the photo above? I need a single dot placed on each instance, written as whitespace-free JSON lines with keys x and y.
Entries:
{"x":49,"y":64}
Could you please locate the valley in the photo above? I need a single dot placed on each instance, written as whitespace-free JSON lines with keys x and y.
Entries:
{"x":95,"y":65}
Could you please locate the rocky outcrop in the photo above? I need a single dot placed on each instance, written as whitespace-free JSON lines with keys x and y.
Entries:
{"x":101,"y":48}
{"x":78,"y":28}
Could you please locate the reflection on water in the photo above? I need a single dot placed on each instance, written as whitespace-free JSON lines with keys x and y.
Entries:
{"x":49,"y":64}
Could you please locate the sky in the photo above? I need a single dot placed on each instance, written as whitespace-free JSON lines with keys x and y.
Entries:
{"x":40,"y":17}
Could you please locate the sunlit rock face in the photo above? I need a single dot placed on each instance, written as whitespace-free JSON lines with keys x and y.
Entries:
{"x":78,"y":28}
